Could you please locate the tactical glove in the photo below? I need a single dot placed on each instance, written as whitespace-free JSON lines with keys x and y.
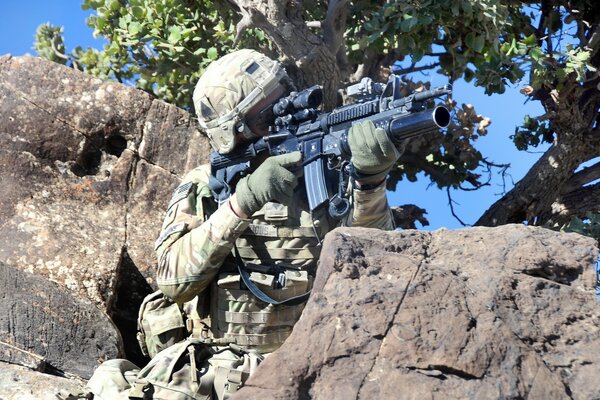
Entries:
{"x":373,"y":153}
{"x":272,"y":181}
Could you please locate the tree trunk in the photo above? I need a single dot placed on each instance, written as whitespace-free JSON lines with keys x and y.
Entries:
{"x":310,"y":59}
{"x":551,"y":192}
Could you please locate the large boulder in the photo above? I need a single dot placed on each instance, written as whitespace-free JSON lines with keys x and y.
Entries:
{"x":46,"y":328}
{"x":87,"y":168}
{"x":480,"y":313}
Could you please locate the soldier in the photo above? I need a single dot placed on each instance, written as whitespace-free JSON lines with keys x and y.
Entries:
{"x":264,"y":229}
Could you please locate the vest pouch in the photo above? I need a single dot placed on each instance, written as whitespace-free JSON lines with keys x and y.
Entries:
{"x":113,"y":379}
{"x":240,"y":317}
{"x":160,"y":324}
{"x":232,"y":367}
{"x":181,"y":371}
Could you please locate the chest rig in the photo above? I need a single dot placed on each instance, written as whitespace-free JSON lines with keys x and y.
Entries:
{"x":263,"y":286}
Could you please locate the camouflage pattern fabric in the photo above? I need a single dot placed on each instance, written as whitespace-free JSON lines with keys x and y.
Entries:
{"x":228,"y":88}
{"x":194,"y":245}
{"x":190,"y":369}
{"x":197,"y":269}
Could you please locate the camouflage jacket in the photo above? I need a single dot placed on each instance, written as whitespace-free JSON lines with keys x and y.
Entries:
{"x":198,"y":237}
{"x":279,"y":245}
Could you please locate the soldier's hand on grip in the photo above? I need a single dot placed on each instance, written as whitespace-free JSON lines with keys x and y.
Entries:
{"x":373,"y":153}
{"x":273,"y":180}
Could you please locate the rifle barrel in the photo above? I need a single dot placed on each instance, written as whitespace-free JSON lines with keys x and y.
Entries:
{"x":419,"y":123}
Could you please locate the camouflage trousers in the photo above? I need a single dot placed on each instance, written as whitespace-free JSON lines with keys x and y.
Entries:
{"x":190,"y":369}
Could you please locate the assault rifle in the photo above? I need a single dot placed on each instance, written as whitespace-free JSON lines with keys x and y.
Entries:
{"x":323,"y":137}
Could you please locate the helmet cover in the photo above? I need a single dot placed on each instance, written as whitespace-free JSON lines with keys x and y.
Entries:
{"x":230,"y":87}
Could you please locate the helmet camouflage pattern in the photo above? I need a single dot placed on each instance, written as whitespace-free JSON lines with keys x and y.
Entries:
{"x":229,"y":88}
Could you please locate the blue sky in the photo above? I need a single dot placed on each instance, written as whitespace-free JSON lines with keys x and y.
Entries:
{"x":506,"y":111}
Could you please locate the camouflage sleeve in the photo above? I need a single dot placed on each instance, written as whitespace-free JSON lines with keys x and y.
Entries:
{"x":370,"y":209}
{"x":191,"y":247}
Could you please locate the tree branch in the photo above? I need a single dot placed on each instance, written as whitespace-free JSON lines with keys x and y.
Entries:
{"x":577,"y":203}
{"x":414,"y":68}
{"x":533,"y":197}
{"x":408,"y":158}
{"x":305,"y":54}
{"x":594,"y":43}
{"x":451,"y":204}
{"x":334,"y":24}
{"x":582,"y":177}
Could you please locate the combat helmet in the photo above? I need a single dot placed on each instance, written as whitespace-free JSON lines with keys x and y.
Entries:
{"x":230,"y":87}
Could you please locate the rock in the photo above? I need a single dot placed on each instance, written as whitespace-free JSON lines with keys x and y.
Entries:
{"x":20,"y":383}
{"x":506,"y":312}
{"x":87,"y":168}
{"x":43,"y":327}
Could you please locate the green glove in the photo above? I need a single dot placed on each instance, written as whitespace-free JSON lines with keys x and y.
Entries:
{"x":272,"y":181}
{"x":373,"y":153}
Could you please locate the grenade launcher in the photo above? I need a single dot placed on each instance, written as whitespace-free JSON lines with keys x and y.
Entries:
{"x":322,"y":138}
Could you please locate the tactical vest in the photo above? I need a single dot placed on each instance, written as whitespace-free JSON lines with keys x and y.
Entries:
{"x":280,"y":248}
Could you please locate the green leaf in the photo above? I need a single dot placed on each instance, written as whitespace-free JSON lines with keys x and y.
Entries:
{"x":536,"y":54}
{"x":138,"y":12}
{"x":212,"y":53}
{"x":123,"y":23}
{"x":372,"y":38}
{"x":408,"y":23}
{"x":454,"y":8}
{"x":469,"y":75}
{"x":474,"y":42}
{"x":114,"y":5}
{"x":466,"y":5}
{"x":530,"y":40}
{"x":174,"y":34}
{"x":134,"y":28}
{"x":388,"y":11}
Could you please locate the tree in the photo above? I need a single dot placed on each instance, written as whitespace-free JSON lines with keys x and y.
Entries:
{"x":162,"y":46}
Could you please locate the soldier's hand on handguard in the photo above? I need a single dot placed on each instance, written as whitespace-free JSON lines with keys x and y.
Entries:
{"x":373,"y":153}
{"x":273,"y":180}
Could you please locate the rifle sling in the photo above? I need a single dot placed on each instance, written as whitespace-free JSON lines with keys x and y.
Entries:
{"x":262,"y":296}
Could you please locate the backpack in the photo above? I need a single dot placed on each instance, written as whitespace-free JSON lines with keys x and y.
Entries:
{"x":160,"y":324}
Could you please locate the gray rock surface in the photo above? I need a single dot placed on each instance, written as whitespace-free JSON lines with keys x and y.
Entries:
{"x":20,"y":383}
{"x":86,"y":170}
{"x":480,"y":313}
{"x":46,"y":328}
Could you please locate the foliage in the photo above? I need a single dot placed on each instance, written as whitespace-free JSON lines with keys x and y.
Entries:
{"x":460,"y":34}
{"x":589,"y":226}
{"x":49,"y":43}
{"x":160,"y":46}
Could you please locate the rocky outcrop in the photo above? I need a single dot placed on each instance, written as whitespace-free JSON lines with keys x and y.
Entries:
{"x":86,"y":170}
{"x":479,"y":313}
{"x":44,"y":327}
{"x":20,"y":383}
